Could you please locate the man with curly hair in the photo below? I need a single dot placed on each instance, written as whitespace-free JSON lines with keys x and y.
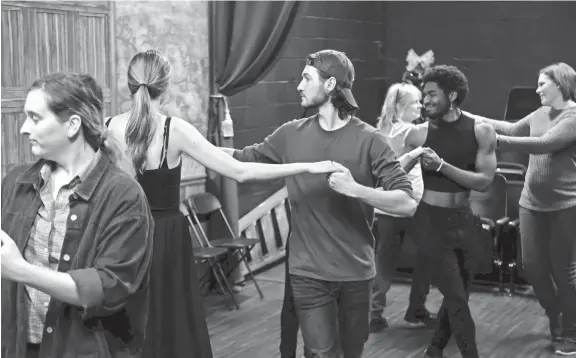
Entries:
{"x":459,"y":156}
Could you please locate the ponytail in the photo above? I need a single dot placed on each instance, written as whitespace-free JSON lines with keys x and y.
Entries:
{"x":139,"y":129}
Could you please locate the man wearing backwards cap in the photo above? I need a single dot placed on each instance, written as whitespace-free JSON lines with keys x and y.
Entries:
{"x":331,"y":251}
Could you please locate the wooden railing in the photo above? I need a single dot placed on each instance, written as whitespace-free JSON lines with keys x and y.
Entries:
{"x":270,"y":222}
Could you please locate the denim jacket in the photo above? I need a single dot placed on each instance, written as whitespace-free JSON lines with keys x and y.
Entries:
{"x":107,"y":251}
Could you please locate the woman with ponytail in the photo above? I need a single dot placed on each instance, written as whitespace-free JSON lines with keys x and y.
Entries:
{"x":176,"y":326}
{"x":400,"y":110}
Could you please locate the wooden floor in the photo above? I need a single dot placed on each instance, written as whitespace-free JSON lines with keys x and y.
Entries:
{"x":507,"y":327}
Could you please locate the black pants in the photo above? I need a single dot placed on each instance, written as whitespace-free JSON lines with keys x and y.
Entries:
{"x":288,"y":319}
{"x":450,"y":240}
{"x":390,"y":233}
{"x":549,"y":262}
{"x":32,"y":350}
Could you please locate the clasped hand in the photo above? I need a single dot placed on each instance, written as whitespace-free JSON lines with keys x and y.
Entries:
{"x":339,"y":177}
{"x":430,"y":160}
{"x":326,"y":167}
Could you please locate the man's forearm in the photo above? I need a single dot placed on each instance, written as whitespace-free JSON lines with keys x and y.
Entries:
{"x":58,"y":285}
{"x":467,"y":179}
{"x":393,"y":202}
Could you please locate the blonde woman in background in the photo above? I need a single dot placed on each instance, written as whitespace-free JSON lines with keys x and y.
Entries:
{"x":401,"y":108}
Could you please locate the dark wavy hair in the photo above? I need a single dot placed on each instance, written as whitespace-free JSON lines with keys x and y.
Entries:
{"x":338,"y":99}
{"x":79,"y":94}
{"x":449,"y":79}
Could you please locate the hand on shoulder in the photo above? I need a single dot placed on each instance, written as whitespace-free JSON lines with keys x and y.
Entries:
{"x":484,"y":132}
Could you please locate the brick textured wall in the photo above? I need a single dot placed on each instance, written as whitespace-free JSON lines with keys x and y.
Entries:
{"x":498,"y":45}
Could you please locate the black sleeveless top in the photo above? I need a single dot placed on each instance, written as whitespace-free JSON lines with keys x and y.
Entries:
{"x":456,"y":143}
{"x":162,"y":185}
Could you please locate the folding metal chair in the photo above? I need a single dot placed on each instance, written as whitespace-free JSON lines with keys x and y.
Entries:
{"x":212,"y":255}
{"x":492,"y":207}
{"x":205,"y":204}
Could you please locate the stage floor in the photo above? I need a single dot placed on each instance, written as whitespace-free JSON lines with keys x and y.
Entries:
{"x":507,"y":327}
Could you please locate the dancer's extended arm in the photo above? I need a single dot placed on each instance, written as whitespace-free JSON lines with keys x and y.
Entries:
{"x":557,"y":138}
{"x":513,"y":129}
{"x":190,"y":142}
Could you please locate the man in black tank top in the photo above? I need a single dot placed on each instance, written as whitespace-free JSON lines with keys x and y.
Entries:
{"x":459,"y":156}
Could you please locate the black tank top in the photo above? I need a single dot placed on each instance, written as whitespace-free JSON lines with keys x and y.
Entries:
{"x":162,"y":185}
{"x":456,"y":143}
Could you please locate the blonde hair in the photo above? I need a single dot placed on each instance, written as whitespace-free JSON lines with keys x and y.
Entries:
{"x":564,"y":77}
{"x":395,"y":105}
{"x":148,"y":79}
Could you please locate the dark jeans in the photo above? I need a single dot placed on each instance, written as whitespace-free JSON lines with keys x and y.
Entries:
{"x":33,"y":350}
{"x":288,"y":319}
{"x":549,"y":259}
{"x":334,"y":316}
{"x":390,"y":235}
{"x":449,"y":239}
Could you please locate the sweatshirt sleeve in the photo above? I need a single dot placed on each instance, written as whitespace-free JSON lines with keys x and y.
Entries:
{"x":386,"y":169}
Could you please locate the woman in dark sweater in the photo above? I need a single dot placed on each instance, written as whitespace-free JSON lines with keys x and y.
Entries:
{"x":548,"y":200}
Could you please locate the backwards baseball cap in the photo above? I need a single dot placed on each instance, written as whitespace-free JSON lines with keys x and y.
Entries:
{"x":335,"y":64}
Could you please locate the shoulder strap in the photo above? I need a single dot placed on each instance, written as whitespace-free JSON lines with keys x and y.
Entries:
{"x":164,"y":154}
{"x":108,"y":121}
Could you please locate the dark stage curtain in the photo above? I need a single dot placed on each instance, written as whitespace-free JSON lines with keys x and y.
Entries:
{"x":246,"y":38}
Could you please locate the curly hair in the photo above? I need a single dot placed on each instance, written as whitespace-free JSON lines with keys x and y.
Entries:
{"x":449,"y":79}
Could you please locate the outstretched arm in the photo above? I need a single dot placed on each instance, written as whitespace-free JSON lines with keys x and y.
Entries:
{"x":190,"y":142}
{"x":482,"y":177}
{"x":562,"y":135}
{"x":229,"y":151}
{"x":516,"y":129}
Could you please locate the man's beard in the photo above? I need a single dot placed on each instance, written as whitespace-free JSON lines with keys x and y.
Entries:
{"x":438,"y":114}
{"x":318,"y":100}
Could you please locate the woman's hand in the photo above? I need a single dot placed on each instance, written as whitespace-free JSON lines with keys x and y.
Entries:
{"x":417,"y":152}
{"x":326,"y":167}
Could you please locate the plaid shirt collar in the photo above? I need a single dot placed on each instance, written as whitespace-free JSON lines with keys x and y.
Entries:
{"x":46,"y":172}
{"x":88,"y":180}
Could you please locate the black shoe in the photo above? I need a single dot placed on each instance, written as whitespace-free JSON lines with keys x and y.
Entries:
{"x":566,"y":347}
{"x":378,"y":324}
{"x":420,"y":317}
